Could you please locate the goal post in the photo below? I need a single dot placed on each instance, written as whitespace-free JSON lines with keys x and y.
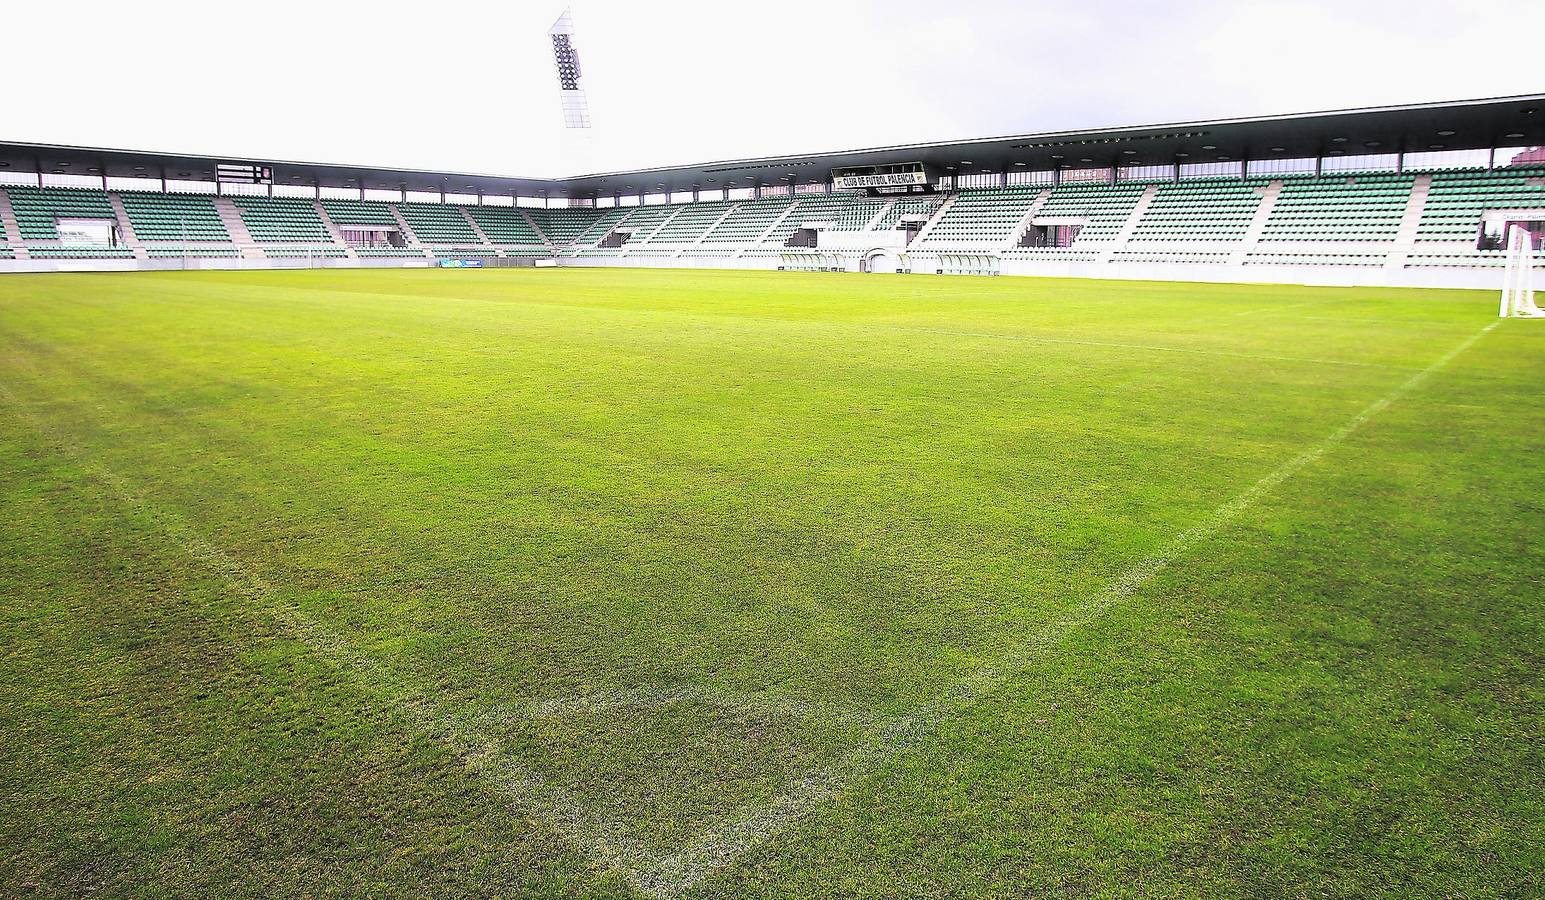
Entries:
{"x":1518,"y":278}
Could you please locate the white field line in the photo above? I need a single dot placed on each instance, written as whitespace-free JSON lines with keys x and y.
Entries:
{"x":653,"y":698}
{"x":480,"y":753}
{"x":723,"y":845}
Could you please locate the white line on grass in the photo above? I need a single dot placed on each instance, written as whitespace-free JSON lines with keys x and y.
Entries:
{"x":480,"y":753}
{"x":722,"y":846}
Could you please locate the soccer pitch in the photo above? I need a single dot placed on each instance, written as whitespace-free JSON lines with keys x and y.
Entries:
{"x":701,"y":584}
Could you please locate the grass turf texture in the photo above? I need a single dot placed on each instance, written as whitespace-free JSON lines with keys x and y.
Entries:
{"x":570,"y":582}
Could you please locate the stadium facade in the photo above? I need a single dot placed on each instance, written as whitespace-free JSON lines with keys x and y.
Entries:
{"x":1420,"y":195}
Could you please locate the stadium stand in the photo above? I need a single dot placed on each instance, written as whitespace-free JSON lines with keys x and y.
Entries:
{"x":436,"y":223}
{"x":1027,"y":210}
{"x":1457,"y":201}
{"x":907,"y":206}
{"x":504,"y":225}
{"x":173,"y":217}
{"x":601,"y":226}
{"x":78,"y":252}
{"x":359,"y":212}
{"x":38,"y":209}
{"x":308,"y":252}
{"x":1212,"y":209}
{"x":646,"y":220}
{"x":1357,"y":208}
{"x":748,"y":221}
{"x":692,"y":221}
{"x":1104,"y":207}
{"x":986,"y":216}
{"x":193,"y":252}
{"x":278,"y":219}
{"x":563,"y":225}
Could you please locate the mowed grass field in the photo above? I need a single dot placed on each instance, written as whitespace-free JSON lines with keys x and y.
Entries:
{"x":613,"y":583}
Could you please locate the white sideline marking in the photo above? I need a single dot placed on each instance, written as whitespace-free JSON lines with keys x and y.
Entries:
{"x":476,"y":750}
{"x":722,"y":846}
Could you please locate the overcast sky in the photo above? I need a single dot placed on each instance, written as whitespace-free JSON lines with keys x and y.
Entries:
{"x":470,"y":86}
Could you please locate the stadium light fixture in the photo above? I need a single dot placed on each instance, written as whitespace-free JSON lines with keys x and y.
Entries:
{"x":1279,"y":149}
{"x":1514,"y":134}
{"x":1019,"y":163}
{"x":1338,"y":140}
{"x":1209,"y":146}
{"x":1436,"y":146}
{"x":1448,"y":133}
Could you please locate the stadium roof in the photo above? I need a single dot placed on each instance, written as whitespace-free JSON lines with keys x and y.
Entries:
{"x":1455,"y":125}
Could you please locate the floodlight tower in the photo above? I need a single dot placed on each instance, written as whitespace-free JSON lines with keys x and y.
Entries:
{"x":578,"y":141}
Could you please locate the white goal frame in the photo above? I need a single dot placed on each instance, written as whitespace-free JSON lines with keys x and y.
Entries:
{"x":1518,"y":278}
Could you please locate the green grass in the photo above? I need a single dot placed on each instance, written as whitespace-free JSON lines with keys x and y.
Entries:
{"x":601,"y":583}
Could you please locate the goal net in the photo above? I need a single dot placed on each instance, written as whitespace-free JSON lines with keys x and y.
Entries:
{"x":1518,"y":278}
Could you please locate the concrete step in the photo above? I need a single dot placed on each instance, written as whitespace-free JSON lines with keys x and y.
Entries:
{"x":332,"y":228}
{"x":230,"y":216}
{"x":11,"y":231}
{"x":125,"y":227}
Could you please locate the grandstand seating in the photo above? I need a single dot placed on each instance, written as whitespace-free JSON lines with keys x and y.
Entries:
{"x":908,"y":206}
{"x":691,"y":223}
{"x":748,"y":221}
{"x":646,"y":220}
{"x":1211,"y":209}
{"x":78,"y":252}
{"x":360,"y":212}
{"x":1341,"y":221}
{"x":173,"y":217}
{"x":983,"y":216}
{"x":309,"y":252}
{"x":504,"y":225}
{"x":390,"y":252}
{"x":276,"y":219}
{"x":1457,"y":201}
{"x":193,"y":252}
{"x":856,"y":213}
{"x":457,"y":252}
{"x":563,"y":225}
{"x":436,"y":223}
{"x":37,"y":209}
{"x":601,"y":226}
{"x":1356,"y":208}
{"x":1106,"y":207}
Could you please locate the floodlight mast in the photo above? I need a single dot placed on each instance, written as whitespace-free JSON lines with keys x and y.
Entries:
{"x":578,"y":140}
{"x":576,"y":108}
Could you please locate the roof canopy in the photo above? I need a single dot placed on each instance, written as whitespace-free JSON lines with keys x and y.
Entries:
{"x":1460,"y":125}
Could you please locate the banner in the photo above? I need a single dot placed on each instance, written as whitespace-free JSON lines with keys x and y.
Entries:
{"x":892,"y":179}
